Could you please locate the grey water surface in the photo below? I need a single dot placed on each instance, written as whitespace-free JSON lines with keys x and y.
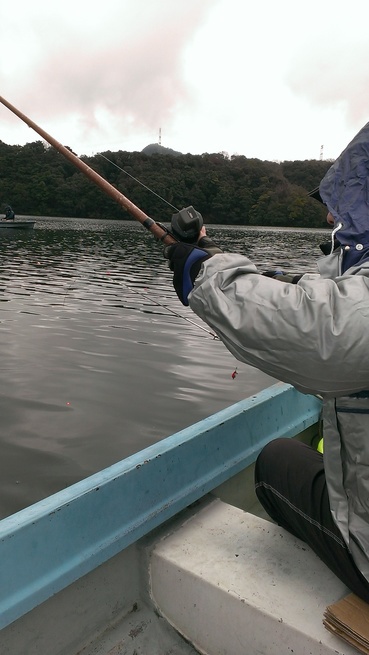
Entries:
{"x":98,"y":357}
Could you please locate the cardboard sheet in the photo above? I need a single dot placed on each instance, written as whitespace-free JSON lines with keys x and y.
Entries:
{"x":349,"y":619}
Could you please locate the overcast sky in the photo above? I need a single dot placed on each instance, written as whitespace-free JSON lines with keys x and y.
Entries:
{"x":275,"y":80}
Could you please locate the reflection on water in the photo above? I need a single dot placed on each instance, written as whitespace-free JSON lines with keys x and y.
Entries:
{"x":98,"y":360}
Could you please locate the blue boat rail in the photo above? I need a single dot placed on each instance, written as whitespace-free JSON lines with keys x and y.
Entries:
{"x":54,"y":542}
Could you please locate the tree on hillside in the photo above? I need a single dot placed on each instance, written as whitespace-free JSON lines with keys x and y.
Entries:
{"x":38,"y":180}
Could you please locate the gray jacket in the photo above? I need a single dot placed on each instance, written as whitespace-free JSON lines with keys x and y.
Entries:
{"x":315,"y":336}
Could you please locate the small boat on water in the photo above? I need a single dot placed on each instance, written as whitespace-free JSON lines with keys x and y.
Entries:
{"x":17,"y":225}
{"x":168,"y":551}
{"x":9,"y":221}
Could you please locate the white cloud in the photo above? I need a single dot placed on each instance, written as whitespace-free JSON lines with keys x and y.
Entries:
{"x":261,"y":79}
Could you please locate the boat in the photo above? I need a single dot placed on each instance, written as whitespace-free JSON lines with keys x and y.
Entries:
{"x":17,"y":225}
{"x":168,"y":551}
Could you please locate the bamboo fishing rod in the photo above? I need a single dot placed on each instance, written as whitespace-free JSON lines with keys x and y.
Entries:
{"x":109,"y":189}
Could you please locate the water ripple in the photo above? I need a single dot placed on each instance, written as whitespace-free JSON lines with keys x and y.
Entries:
{"x":99,"y":358}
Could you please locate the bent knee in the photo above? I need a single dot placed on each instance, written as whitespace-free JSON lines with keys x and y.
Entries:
{"x":274,"y":449}
{"x":277,"y":457}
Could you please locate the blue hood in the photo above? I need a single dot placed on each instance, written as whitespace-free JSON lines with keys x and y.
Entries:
{"x":345,"y":191}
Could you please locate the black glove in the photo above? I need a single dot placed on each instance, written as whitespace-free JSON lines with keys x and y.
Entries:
{"x":273,"y":273}
{"x":208,"y":244}
{"x":185,"y":261}
{"x":281,"y":276}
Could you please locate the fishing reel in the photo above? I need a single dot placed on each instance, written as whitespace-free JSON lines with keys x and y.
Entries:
{"x":186,"y":225}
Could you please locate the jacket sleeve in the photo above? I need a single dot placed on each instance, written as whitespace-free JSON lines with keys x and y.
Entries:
{"x":313,"y":334}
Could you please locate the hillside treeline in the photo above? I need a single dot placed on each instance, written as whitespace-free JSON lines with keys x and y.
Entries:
{"x":37,"y":180}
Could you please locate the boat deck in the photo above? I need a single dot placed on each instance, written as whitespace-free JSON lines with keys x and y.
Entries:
{"x":225,"y":581}
{"x":233,"y":583}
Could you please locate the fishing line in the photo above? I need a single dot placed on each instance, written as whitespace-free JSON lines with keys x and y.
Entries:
{"x":185,"y":318}
{"x":138,"y":181}
{"x":169,"y":309}
{"x":152,"y":301}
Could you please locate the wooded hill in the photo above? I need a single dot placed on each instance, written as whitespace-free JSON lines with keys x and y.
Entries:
{"x":36,"y":180}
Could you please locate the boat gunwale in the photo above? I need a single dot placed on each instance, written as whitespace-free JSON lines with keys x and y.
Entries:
{"x":44,"y":546}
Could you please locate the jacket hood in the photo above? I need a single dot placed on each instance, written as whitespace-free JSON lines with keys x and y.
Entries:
{"x":345,"y":191}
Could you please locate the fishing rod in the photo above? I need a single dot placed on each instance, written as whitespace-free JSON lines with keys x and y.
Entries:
{"x":157,"y":230}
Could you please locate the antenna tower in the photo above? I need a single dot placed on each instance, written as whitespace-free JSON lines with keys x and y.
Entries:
{"x":159,"y":136}
{"x":321,"y":152}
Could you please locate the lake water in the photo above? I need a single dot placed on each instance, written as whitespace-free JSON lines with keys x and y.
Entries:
{"x":99,"y":359}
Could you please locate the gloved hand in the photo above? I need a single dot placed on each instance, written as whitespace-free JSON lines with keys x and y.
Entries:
{"x":281,"y":276}
{"x":208,"y":244}
{"x":185,"y":261}
{"x":273,"y":273}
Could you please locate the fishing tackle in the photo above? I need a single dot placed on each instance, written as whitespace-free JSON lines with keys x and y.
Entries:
{"x":186,"y":225}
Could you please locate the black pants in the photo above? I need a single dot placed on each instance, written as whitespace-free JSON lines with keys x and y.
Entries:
{"x":290,"y":484}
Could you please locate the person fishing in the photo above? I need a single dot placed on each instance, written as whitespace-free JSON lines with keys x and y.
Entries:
{"x":311,"y":331}
{"x":9,"y":213}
